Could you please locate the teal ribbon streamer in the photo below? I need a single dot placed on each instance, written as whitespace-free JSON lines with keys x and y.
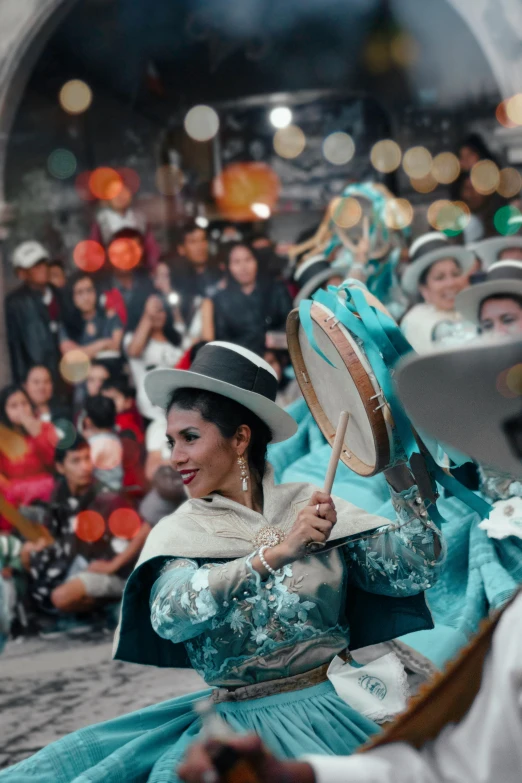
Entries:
{"x":384,"y":344}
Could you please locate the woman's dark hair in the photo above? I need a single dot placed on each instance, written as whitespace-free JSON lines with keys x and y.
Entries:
{"x":227,"y":415}
{"x":7,"y":392}
{"x":37,"y":367}
{"x":423,"y":279}
{"x":101,"y":411}
{"x":65,"y":447}
{"x":517,"y":298}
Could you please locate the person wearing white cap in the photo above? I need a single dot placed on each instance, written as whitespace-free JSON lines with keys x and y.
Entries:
{"x":436,"y":270}
{"x":32,"y":313}
{"x":229,"y":586}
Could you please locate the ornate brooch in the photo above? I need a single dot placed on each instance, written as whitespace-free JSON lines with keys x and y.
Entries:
{"x":268,"y":536}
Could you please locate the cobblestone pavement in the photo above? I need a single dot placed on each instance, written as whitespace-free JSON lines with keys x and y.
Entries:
{"x":50,"y":688}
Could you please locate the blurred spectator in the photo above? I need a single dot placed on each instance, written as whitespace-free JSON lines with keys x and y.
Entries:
{"x":57,"y":274}
{"x":32,"y":313}
{"x":98,"y":334}
{"x":106,"y":449}
{"x":162,"y":280}
{"x":193,"y":275}
{"x":75,"y":573}
{"x":248,"y":307}
{"x":97,"y":374}
{"x":40,"y":390}
{"x":127,"y":286}
{"x":128,"y":418}
{"x":472,"y":149}
{"x":288,"y":389}
{"x":168,"y":491}
{"x":26,"y":451}
{"x":148,"y":347}
{"x":118,"y":215}
{"x":438,"y":271}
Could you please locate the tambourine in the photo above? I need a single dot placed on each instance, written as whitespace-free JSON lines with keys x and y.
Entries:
{"x":348,"y":385}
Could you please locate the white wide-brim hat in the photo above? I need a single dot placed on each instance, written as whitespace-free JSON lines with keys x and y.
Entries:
{"x":488,"y":250}
{"x":466,"y":398}
{"x":426,"y":251}
{"x":233,"y":372}
{"x":504,"y":277}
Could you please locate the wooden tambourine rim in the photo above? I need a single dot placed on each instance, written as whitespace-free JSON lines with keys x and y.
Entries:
{"x":361,"y":380}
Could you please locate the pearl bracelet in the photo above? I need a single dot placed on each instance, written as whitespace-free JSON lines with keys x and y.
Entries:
{"x":263,"y":561}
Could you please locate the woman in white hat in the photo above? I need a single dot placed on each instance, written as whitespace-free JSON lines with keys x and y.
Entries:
{"x":437,"y":271}
{"x":495,"y":304}
{"x":228,"y":585}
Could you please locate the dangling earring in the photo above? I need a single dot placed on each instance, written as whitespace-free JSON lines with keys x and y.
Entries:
{"x":243,"y":467}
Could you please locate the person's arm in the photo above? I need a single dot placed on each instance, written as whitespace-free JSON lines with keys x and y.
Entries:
{"x":406,"y":556}
{"x":114,"y":341}
{"x":141,"y":335}
{"x":207,"y":320}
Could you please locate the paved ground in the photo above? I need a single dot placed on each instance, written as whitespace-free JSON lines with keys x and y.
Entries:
{"x":50,"y":688}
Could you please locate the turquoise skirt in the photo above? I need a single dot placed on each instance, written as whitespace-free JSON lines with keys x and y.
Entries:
{"x":149,"y":744}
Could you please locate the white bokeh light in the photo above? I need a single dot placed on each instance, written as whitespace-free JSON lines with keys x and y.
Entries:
{"x":201,"y":123}
{"x":261,"y":210}
{"x":281,"y":117}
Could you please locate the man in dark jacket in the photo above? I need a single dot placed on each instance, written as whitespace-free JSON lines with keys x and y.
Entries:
{"x":32,"y":313}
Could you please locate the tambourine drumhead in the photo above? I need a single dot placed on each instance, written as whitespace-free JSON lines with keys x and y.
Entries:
{"x":349,"y":385}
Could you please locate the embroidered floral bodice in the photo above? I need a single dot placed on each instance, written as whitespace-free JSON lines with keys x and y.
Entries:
{"x":239,"y":629}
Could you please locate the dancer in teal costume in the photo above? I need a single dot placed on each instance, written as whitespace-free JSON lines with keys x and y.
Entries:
{"x":202,"y":596}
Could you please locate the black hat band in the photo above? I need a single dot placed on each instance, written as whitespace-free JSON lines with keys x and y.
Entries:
{"x":428,"y":247}
{"x":231,"y":367}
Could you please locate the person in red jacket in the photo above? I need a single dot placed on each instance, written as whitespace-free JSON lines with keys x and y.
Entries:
{"x":26,"y":451}
{"x":129,"y":422}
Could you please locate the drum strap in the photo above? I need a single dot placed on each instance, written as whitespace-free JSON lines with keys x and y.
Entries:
{"x":385,"y":345}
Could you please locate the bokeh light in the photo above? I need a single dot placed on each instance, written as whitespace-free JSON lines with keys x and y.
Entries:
{"x":261,"y":210}
{"x":425,"y":184}
{"x":81,"y":184}
{"x":514,"y":379}
{"x":130,"y":179}
{"x":61,"y":164}
{"x":398,"y":214}
{"x":75,"y":96}
{"x":338,"y":148}
{"x":502,"y":385}
{"x":169,"y":180}
{"x":502,"y":116}
{"x":89,"y":526}
{"x":281,"y":117}
{"x":12,"y":444}
{"x":66,"y":432}
{"x":201,"y":123}
{"x":485,"y":177}
{"x":74,"y":366}
{"x":445,"y":168}
{"x":242,"y":184}
{"x":514,"y":109}
{"x":417,"y":162}
{"x":503,"y":220}
{"x":106,"y":452}
{"x":404,"y":50}
{"x":347,"y":212}
{"x":125,"y":253}
{"x":386,"y":156}
{"x":510,"y":182}
{"x":377,"y":54}
{"x":449,"y":217}
{"x":105,"y":183}
{"x":124,"y":523}
{"x":289,"y":142}
{"x":89,"y":255}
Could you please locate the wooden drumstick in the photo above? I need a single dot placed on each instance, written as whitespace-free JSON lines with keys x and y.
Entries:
{"x":337,"y":447}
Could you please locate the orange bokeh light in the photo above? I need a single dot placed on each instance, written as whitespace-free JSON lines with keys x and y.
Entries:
{"x":124,"y":523}
{"x":125,"y":253}
{"x":105,"y":183}
{"x":502,"y":116}
{"x":89,"y":255}
{"x":242,"y":184}
{"x":89,"y":526}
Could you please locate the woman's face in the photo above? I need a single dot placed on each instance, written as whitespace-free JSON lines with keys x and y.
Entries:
{"x":84,"y":295}
{"x":161,"y":279}
{"x":468,"y":158}
{"x":39,"y":386}
{"x":17,"y":408}
{"x":501,"y":316}
{"x":97,"y":375}
{"x":443,"y":283}
{"x":242,"y":265}
{"x":205,"y":459}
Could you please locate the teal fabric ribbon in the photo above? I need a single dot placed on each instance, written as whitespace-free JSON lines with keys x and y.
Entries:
{"x":384,"y":345}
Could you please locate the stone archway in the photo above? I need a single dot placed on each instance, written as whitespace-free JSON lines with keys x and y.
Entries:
{"x":26,"y":25}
